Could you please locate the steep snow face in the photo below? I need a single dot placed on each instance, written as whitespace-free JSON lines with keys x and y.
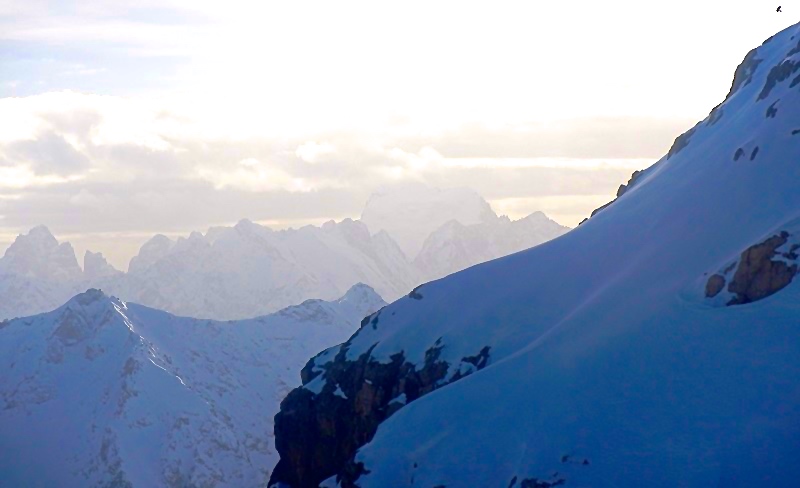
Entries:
{"x":454,"y":246}
{"x":105,"y":393}
{"x":409,"y":214}
{"x":596,"y":359}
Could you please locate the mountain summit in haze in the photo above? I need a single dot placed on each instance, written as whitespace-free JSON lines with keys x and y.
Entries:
{"x":248,"y":270}
{"x":410,"y":213}
{"x":655,"y":345}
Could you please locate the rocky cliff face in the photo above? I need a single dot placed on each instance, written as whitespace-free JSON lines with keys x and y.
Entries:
{"x":620,"y":191}
{"x":320,"y":426}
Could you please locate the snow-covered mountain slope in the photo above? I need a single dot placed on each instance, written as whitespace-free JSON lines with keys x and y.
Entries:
{"x":410,"y":213}
{"x":658,"y":344}
{"x":105,"y":393}
{"x":455,"y":246}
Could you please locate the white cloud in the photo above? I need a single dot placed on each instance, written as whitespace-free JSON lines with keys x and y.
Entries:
{"x":253,"y":175}
{"x":19,"y":177}
{"x":312,"y":151}
{"x":84,"y":198}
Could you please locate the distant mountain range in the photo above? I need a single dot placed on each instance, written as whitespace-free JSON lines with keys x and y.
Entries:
{"x":100,"y":392}
{"x":248,"y":269}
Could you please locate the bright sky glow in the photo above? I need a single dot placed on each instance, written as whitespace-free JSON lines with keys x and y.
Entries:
{"x":128,"y":118}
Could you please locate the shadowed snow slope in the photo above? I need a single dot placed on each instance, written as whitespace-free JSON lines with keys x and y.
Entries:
{"x":609,"y":357}
{"x":105,"y":393}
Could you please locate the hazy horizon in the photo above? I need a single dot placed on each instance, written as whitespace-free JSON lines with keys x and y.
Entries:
{"x":126,"y":119}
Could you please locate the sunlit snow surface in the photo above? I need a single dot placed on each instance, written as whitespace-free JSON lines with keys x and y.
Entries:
{"x":608,"y":368}
{"x":101,"y":391}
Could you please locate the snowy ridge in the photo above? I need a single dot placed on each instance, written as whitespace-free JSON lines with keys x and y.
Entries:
{"x":101,"y":392}
{"x":598,"y":358}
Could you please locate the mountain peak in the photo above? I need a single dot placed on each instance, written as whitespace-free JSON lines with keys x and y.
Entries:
{"x":410,"y":213}
{"x":88,"y":297}
{"x":360,"y":290}
{"x":151,"y":251}
{"x":41,"y":232}
{"x":95,"y":266}
{"x":362,"y":296}
{"x":39,"y":255}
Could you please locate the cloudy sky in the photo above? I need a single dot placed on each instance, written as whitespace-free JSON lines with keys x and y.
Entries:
{"x":121,"y":119}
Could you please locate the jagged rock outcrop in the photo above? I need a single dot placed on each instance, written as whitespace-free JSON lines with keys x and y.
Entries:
{"x":320,"y":427}
{"x":620,"y":191}
{"x":762,"y":270}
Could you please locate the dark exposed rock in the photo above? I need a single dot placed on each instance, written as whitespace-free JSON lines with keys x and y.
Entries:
{"x":772,"y":111}
{"x":795,"y":82}
{"x":739,"y":153}
{"x":479,"y":360}
{"x":744,"y":72}
{"x":795,"y":132}
{"x":681,"y":142}
{"x":415,"y":294}
{"x":715,"y":285}
{"x":620,"y":191}
{"x":741,"y":77}
{"x":778,"y":74}
{"x":754,"y":153}
{"x":317,"y":435}
{"x":535,"y":483}
{"x":794,"y":50}
{"x":599,"y":209}
{"x":758,"y":276}
{"x":371,"y":320}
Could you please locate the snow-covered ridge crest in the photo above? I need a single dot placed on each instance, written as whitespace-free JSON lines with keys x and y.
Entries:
{"x":102,"y":392}
{"x":599,"y":368}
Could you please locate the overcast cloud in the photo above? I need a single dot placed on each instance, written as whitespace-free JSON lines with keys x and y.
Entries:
{"x":122,"y":119}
